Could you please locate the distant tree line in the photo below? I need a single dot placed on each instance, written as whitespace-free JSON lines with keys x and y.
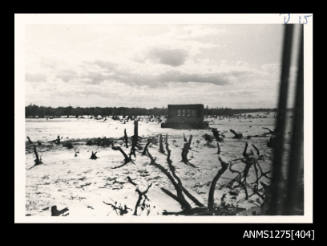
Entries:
{"x":232,"y":111}
{"x":41,"y":111}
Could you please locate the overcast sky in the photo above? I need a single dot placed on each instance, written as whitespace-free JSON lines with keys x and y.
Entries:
{"x":152,"y":65}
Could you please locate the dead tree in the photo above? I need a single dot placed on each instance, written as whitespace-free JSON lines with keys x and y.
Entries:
{"x":125,"y":138}
{"x":57,"y":141}
{"x":219,"y":149}
{"x":218,"y":136}
{"x":135,"y":140}
{"x":251,"y":161}
{"x":179,"y":197}
{"x":237,"y":135}
{"x":38,"y":159}
{"x":161,"y":147}
{"x":182,"y":192}
{"x":172,"y":170}
{"x":271,"y":141}
{"x":141,"y":201}
{"x":133,"y":147}
{"x":208,"y":138}
{"x":94,"y":156}
{"x":29,"y":140}
{"x":224,"y":166}
{"x":185,"y":150}
{"x":76,"y":152}
{"x":146,"y":146}
{"x":127,"y":158}
{"x":136,"y":128}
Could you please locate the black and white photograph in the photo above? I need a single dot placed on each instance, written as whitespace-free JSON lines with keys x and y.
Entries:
{"x":163,"y":118}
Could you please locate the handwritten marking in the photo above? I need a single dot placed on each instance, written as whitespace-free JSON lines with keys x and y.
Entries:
{"x":302,"y":19}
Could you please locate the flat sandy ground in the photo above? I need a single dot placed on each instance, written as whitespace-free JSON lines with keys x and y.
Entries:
{"x":84,"y":185}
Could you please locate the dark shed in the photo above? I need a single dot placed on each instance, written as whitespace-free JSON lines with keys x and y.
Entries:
{"x":185,"y":116}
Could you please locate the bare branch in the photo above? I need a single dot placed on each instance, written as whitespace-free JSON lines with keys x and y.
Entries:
{"x":29,"y":140}
{"x":170,"y":194}
{"x":224,"y":166}
{"x":256,"y":149}
{"x":173,"y":171}
{"x":146,"y":146}
{"x":236,"y":134}
{"x":219,"y":149}
{"x":131,"y":181}
{"x":127,"y":159}
{"x":245,"y":149}
{"x":185,"y":150}
{"x":181,"y":199}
